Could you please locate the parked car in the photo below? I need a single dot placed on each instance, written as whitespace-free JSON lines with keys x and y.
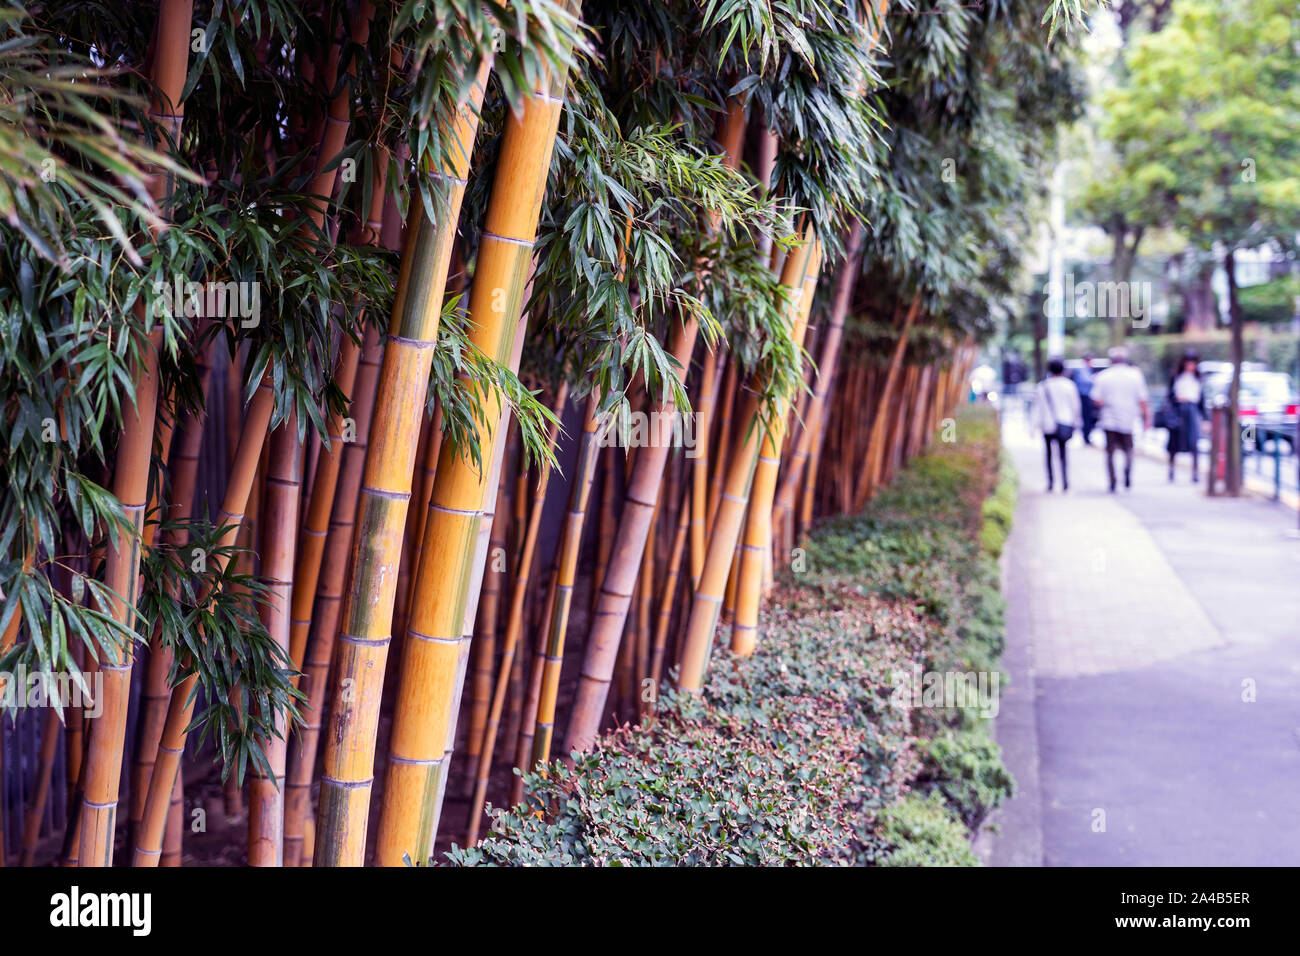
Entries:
{"x":1268,"y":405}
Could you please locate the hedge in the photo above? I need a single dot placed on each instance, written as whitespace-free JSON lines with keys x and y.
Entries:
{"x":807,"y":752}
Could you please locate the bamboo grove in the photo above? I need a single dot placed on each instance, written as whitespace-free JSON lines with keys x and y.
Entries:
{"x":398,"y":394}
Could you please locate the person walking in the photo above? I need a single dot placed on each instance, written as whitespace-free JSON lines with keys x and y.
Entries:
{"x":1120,"y":392}
{"x":1083,"y":377}
{"x":1187,"y":400}
{"x":1014,"y":373}
{"x":1057,"y":413}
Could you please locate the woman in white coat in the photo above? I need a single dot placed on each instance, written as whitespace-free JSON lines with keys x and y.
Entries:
{"x":1058,"y":411}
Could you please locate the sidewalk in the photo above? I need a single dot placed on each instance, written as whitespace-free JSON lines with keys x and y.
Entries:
{"x":1154,"y":654}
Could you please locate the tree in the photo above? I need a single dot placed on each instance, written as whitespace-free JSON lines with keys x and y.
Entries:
{"x":1205,"y":121}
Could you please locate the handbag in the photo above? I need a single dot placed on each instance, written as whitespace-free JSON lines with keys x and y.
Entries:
{"x":1063,"y":432}
{"x":1168,"y":418}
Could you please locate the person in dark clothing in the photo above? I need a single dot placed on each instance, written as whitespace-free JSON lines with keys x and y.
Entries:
{"x":1083,"y":382}
{"x":1014,"y":374}
{"x":1187,"y":400}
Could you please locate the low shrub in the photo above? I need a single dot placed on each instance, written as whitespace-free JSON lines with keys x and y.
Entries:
{"x":921,"y":832}
{"x":965,"y":768}
{"x":999,"y":509}
{"x":805,"y":752}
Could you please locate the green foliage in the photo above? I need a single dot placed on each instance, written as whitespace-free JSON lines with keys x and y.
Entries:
{"x":1205,"y":118}
{"x":920,"y":831}
{"x":205,"y":612}
{"x":965,"y":767}
{"x":1273,"y":302}
{"x":800,"y":754}
{"x":632,"y":244}
{"x":63,"y":146}
{"x":999,"y":509}
{"x":973,"y":96}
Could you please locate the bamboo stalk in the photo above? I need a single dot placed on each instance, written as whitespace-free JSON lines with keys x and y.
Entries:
{"x":757,"y":541}
{"x":532,"y":700}
{"x":477,"y":565}
{"x":175,"y":830}
{"x":325,"y":613}
{"x":731,"y":389}
{"x":279,"y":538}
{"x":669,"y":593}
{"x":707,"y":603}
{"x":871,"y":474}
{"x":827,"y":360}
{"x":550,"y":645}
{"x":157,"y":689}
{"x":367,"y":613}
{"x":485,"y":629}
{"x":74,"y":744}
{"x":315,"y":529}
{"x":809,"y":497}
{"x":180,"y":710}
{"x":102,"y":769}
{"x":41,"y":791}
{"x":639,"y":502}
{"x":700,"y":463}
{"x":619,"y":578}
{"x":646,"y":585}
{"x":514,"y":628}
{"x":431,"y":668}
{"x":607,"y":523}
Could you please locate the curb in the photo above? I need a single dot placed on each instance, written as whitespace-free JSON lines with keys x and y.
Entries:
{"x":1019,"y":837}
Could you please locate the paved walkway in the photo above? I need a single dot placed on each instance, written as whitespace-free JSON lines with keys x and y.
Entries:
{"x":1153,"y":716}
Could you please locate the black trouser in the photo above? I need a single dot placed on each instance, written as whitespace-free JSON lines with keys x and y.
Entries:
{"x":1059,"y":442}
{"x":1089,"y":410}
{"x":1121,"y":442}
{"x":1187,"y":436}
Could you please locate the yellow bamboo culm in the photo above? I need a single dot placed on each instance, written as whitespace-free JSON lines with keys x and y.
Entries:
{"x":828,"y":357}
{"x":325,"y":610}
{"x":486,"y":624}
{"x":433,"y":654}
{"x":758,"y":528}
{"x":156,"y":687}
{"x":367,"y":612}
{"x":102,"y":768}
{"x":699,"y":472}
{"x":550,"y":646}
{"x":734,"y":500}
